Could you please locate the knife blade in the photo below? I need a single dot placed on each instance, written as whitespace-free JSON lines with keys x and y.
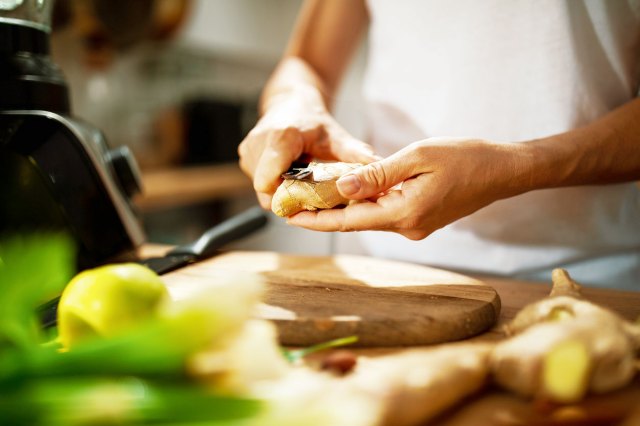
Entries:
{"x":299,"y":171}
{"x":205,"y":246}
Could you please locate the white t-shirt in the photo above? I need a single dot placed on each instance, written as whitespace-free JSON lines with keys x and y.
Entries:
{"x":509,"y":71}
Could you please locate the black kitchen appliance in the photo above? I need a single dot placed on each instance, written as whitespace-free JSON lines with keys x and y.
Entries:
{"x":56,"y":172}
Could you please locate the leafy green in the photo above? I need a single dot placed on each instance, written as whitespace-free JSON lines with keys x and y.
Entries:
{"x":72,"y":401}
{"x":32,"y":270}
{"x":156,"y":348}
{"x":294,"y":355}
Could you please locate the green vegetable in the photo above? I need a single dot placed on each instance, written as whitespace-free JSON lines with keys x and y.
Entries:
{"x":118,"y":401}
{"x":33,"y":269}
{"x":294,"y":355}
{"x":155,"y":348}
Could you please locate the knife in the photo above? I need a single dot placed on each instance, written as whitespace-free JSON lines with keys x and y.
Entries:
{"x":205,"y":246}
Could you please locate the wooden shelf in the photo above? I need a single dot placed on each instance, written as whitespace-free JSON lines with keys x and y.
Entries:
{"x":177,"y":187}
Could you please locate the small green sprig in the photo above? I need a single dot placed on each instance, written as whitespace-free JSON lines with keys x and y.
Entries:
{"x":295,"y":355}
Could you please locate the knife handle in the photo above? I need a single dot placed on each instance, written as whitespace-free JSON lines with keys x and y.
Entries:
{"x":231,"y":229}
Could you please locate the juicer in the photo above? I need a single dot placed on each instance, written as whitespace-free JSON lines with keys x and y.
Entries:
{"x":57,"y":173}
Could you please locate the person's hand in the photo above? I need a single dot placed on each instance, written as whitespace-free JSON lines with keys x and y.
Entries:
{"x":422,"y":188}
{"x":289,"y":129}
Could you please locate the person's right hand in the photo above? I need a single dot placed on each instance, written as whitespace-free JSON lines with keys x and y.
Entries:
{"x":425,"y":186}
{"x":292,"y":128}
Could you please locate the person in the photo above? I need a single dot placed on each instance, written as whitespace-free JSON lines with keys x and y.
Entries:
{"x":504,"y":137}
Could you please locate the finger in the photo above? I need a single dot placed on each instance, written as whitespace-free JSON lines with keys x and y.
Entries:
{"x":355,"y":217}
{"x":281,"y":150}
{"x":379,"y":176}
{"x":264,"y":200}
{"x":249,"y":152}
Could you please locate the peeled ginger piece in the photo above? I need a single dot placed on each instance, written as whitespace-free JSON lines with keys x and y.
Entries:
{"x":316,"y":191}
{"x":565,"y":371}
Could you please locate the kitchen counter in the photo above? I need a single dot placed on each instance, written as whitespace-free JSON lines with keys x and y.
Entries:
{"x":516,"y":294}
{"x":496,"y":407}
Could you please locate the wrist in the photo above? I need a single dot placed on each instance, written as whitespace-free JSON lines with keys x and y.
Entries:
{"x":549,"y":162}
{"x":300,"y":97}
{"x":523,"y":167}
{"x":294,"y":81}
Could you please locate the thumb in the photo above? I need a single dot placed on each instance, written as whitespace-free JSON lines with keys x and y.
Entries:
{"x":281,"y":150}
{"x":376,"y":177}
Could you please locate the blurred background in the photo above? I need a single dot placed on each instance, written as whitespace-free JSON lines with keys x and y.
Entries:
{"x":178,"y":82}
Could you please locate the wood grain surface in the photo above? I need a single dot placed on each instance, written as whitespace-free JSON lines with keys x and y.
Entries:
{"x":491,"y":406}
{"x":312,"y":299}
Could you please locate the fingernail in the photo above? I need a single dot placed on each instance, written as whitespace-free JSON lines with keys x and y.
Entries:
{"x":348,"y":184}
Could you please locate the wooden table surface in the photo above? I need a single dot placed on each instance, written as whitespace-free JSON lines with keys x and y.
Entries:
{"x":516,"y":294}
{"x":495,"y":407}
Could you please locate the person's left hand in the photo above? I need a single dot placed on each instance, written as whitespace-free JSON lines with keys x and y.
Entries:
{"x":423,"y":187}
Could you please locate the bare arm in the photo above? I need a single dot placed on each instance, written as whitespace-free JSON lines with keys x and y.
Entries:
{"x":602,"y":152}
{"x":325,"y":36}
{"x":296,"y":100}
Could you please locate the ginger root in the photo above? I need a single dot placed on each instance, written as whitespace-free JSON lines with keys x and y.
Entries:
{"x":416,"y":385}
{"x":317,"y":191}
{"x":565,"y":370}
{"x":563,"y":347}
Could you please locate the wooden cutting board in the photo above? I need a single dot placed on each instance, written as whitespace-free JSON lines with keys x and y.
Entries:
{"x":313,"y":299}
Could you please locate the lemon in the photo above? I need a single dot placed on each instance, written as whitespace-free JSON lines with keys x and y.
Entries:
{"x":106,"y":300}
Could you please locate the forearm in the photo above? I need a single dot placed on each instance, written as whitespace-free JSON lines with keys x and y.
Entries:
{"x":325,"y":36}
{"x":602,"y":152}
{"x":294,"y":105}
{"x":294,"y":80}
